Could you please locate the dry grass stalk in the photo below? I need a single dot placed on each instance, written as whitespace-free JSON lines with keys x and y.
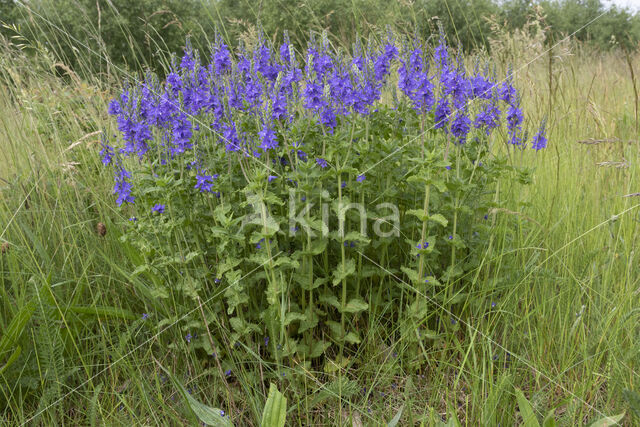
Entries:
{"x":507,"y":211}
{"x":79,"y":141}
{"x":620,"y":165}
{"x":594,"y":141}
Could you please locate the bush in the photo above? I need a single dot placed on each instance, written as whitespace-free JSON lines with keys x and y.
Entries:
{"x":308,"y":195}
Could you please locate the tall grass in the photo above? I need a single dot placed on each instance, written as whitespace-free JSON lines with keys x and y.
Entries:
{"x":563,"y":329}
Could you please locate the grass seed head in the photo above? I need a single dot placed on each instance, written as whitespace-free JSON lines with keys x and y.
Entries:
{"x":101,"y":229}
{"x":4,"y":248}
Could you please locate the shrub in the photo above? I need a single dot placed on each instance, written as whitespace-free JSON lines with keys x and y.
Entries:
{"x":308,"y":194}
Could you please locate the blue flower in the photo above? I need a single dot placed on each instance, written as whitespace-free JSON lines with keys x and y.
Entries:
{"x":313,"y":95}
{"x":361,"y":178}
{"x":460,"y":126}
{"x":488,"y":118}
{"x":441,"y":53}
{"x":539,"y":140}
{"x":321,"y":162}
{"x":328,"y":118}
{"x":158,"y":208}
{"x":514,"y":121}
{"x":507,"y":92}
{"x":268,"y":138}
{"x":221,"y":58}
{"x":122,"y":187}
{"x":145,"y":316}
{"x":107,"y":154}
{"x":443,"y":110}
{"x":188,"y":337}
{"x":204,"y":183}
{"x":230,"y":137}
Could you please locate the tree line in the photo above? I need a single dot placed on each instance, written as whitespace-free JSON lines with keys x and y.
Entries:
{"x":136,"y":34}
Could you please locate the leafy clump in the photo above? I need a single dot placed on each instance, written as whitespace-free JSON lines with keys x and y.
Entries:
{"x":306,"y":190}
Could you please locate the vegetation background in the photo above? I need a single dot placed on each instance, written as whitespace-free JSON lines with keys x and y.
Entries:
{"x":74,"y":346}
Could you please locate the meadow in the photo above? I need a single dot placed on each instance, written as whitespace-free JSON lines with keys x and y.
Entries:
{"x":545,"y":332}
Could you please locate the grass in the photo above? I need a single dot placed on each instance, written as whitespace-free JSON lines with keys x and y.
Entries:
{"x":564,"y":329}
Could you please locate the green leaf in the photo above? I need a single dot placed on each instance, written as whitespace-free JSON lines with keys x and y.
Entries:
{"x":344,"y":270}
{"x":104,"y":311}
{"x":352,"y":338}
{"x":355,"y":236}
{"x":526,"y":410}
{"x":303,"y":281}
{"x":11,"y":359}
{"x":318,"y":348}
{"x":608,"y":421}
{"x":439,"y":219}
{"x":14,"y":330}
{"x":275,"y":410}
{"x":418,"y":213}
{"x":317,"y":247}
{"x":242,"y":327}
{"x":336,"y":328}
{"x":356,"y":305}
{"x":286,"y":262}
{"x":411,"y":274}
{"x":310,"y":321}
{"x":550,"y":420}
{"x":208,"y":415}
{"x":330,"y":300}
{"x":293,"y":317}
{"x":396,"y":419}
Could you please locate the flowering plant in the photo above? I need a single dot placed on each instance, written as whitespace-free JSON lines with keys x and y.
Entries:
{"x":305,"y":190}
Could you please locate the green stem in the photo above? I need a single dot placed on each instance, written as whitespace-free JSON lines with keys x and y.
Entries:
{"x":343,"y":258}
{"x":423,"y":235}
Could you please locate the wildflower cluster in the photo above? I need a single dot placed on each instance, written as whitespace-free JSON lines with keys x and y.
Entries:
{"x":211,"y":157}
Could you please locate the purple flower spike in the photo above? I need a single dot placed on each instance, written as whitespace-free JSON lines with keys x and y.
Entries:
{"x":204,"y":183}
{"x":540,"y":140}
{"x":321,"y":162}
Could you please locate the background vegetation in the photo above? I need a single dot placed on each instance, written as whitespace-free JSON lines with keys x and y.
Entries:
{"x":141,"y":33}
{"x":73,"y":332}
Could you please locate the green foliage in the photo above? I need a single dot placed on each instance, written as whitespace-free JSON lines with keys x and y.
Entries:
{"x":138,"y":35}
{"x":575,"y":258}
{"x":275,"y":409}
{"x":302,"y":278}
{"x":204,"y":413}
{"x":526,"y":411}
